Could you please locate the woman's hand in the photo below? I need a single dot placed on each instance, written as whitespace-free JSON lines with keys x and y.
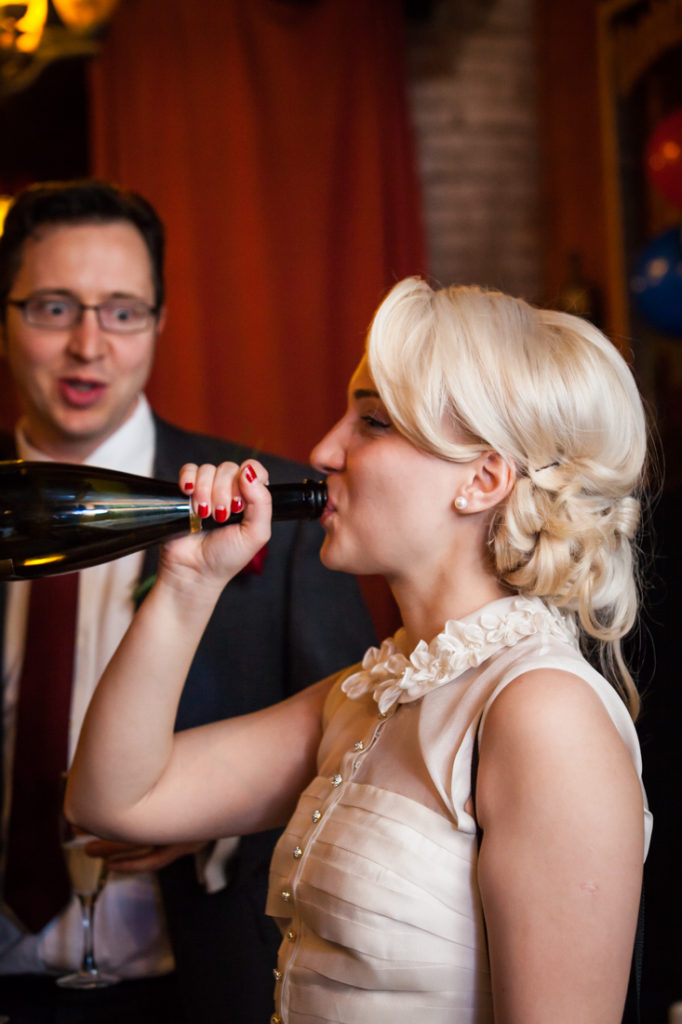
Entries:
{"x":214,"y":557}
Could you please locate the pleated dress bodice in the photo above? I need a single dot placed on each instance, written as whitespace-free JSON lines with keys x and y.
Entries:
{"x":373,"y":883}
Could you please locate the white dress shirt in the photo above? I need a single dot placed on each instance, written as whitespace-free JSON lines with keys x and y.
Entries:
{"x":130,"y":932}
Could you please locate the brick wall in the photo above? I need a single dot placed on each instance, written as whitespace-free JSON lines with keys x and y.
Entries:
{"x":472,"y":93}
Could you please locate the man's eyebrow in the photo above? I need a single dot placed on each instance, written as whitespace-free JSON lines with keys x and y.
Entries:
{"x":54,"y":291}
{"x":68,"y":293}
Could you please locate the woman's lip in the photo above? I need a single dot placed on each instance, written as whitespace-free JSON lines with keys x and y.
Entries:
{"x":328,"y":511}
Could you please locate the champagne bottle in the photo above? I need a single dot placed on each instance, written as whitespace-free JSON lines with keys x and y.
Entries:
{"x":56,"y":517}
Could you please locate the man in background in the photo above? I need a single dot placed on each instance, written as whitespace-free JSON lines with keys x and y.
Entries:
{"x":81,"y":309}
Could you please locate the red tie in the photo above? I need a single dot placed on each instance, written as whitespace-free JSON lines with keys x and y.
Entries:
{"x":36,"y":881}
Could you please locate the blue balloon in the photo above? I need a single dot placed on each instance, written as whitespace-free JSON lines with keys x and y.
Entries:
{"x":656,"y":282}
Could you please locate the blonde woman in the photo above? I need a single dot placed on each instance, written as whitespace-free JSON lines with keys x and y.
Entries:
{"x":488,"y":465}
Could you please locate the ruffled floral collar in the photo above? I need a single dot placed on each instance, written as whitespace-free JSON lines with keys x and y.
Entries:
{"x":395,"y":678}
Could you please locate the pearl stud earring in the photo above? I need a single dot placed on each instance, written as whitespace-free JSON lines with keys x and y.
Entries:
{"x":461,"y":503}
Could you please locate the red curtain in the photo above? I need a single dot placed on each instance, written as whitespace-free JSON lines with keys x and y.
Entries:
{"x":273,"y":137}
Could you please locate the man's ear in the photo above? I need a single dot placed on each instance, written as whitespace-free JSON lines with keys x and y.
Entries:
{"x":490,"y":480}
{"x":161,"y":320}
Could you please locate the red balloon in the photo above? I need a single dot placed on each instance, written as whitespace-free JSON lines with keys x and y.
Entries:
{"x":664,"y":158}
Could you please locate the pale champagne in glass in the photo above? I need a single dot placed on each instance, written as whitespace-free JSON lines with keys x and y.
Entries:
{"x":87,"y":876}
{"x":86,"y":872}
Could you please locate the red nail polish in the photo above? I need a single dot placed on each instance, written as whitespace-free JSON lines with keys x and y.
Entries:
{"x":189,"y":487}
{"x":220,"y":514}
{"x":237,"y":505}
{"x":250,"y":474}
{"x":202,"y":509}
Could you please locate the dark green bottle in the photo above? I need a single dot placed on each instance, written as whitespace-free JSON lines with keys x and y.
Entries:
{"x":57,"y":517}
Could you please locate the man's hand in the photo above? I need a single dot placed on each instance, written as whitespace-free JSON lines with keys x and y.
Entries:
{"x":128,"y":857}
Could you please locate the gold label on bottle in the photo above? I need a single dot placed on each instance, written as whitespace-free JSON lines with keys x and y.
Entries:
{"x":194,"y":521}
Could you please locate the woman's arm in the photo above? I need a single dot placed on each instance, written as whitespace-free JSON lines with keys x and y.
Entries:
{"x":560,"y":864}
{"x":133,"y":778}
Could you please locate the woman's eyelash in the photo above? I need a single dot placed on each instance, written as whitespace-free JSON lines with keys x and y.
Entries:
{"x":376,"y":424}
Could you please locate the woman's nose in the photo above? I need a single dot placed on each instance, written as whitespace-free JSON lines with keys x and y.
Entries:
{"x":329,"y":454}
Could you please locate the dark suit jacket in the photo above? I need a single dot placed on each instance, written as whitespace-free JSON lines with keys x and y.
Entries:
{"x":270,"y":635}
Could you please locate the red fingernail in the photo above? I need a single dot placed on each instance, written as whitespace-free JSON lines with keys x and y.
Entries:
{"x":189,"y":486}
{"x":250,"y":474}
{"x":220,"y":514}
{"x":237,"y":505}
{"x":202,"y":509}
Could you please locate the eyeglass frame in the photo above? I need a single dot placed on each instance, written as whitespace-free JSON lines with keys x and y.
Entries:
{"x":152,"y":311}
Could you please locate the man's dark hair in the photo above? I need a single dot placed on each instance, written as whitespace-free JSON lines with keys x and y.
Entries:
{"x":85,"y":201}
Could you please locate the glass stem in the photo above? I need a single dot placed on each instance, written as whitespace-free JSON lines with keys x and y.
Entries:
{"x":87,"y":902}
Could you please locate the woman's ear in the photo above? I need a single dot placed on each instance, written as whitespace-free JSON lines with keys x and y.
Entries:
{"x":489,"y":481}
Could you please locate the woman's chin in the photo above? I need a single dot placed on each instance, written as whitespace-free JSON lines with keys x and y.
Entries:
{"x":338,"y":562}
{"x":332,"y":558}
{"x":328,"y":559}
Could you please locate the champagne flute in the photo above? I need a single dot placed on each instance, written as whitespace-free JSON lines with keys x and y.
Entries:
{"x":88,"y":875}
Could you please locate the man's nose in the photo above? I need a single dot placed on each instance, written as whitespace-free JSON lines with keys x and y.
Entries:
{"x":86,"y":338}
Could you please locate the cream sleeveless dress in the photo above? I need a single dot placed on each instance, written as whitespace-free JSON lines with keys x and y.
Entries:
{"x":373,"y":883}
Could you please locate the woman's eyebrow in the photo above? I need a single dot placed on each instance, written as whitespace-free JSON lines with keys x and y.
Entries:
{"x":365,"y":393}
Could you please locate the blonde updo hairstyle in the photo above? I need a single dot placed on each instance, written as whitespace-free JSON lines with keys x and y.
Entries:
{"x":552,"y":395}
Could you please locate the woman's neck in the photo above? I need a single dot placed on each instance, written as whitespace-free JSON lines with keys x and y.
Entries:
{"x":424,"y":610}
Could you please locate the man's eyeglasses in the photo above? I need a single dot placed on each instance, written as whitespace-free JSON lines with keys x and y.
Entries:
{"x":60,"y":312}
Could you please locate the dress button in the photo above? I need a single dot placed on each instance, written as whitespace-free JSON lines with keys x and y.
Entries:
{"x":291,"y":935}
{"x":359,"y":745}
{"x":277,"y":974}
{"x":316,"y":816}
{"x":336,"y":780}
{"x":298,"y":853}
{"x":286,"y":895}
